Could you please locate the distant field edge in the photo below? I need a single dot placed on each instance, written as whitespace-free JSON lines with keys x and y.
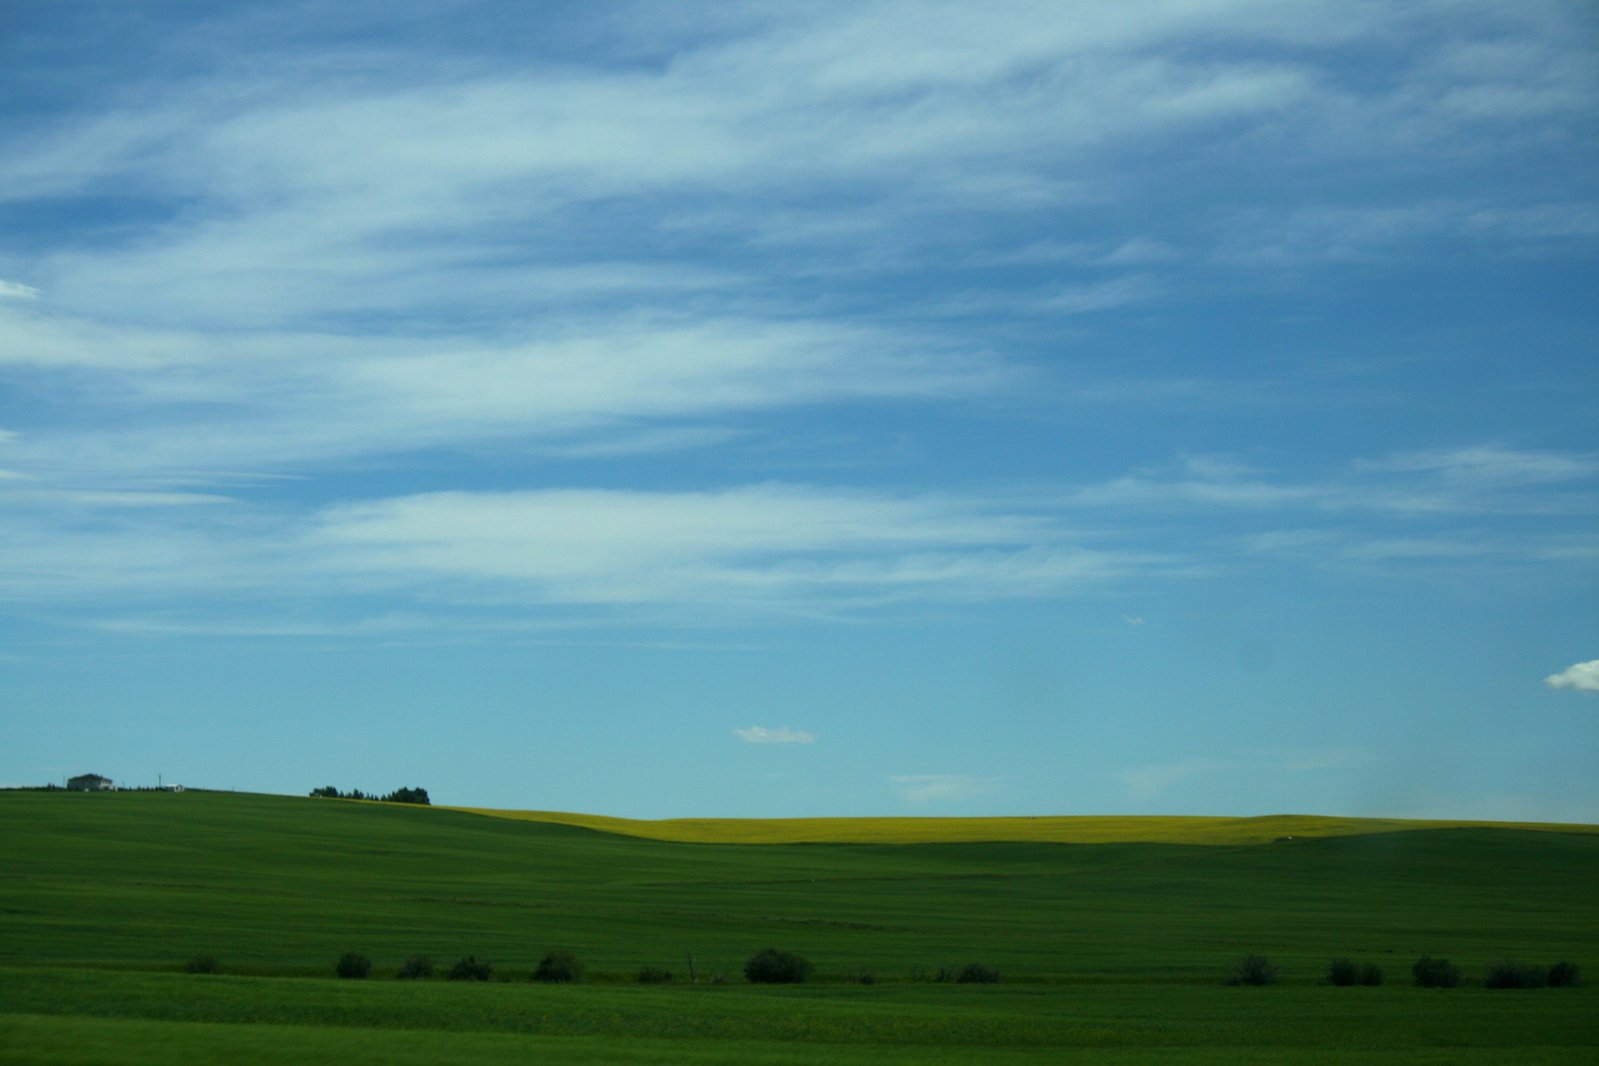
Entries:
{"x":1051,"y":829}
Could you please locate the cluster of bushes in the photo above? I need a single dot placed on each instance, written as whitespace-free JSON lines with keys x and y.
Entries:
{"x":1436,"y":973}
{"x":1511,"y":974}
{"x":1441,"y":973}
{"x":399,"y":795}
{"x":557,"y":966}
{"x":1427,"y":972}
{"x":470,"y":969}
{"x":1253,"y":970}
{"x":1343,"y":972}
{"x":768,"y":966}
{"x":973,"y":973}
{"x":771,"y":966}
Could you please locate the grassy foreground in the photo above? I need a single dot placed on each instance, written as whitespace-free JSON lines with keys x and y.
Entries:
{"x":1112,"y":952}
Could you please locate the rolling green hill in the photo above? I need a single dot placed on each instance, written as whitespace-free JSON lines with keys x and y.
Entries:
{"x":107,"y":896}
{"x":1068,"y":829}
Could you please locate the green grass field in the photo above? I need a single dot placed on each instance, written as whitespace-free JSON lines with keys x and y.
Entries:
{"x":1112,"y":952}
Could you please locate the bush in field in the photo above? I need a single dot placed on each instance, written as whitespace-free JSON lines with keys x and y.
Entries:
{"x":1435,"y":973}
{"x":654,"y":975}
{"x":1512,"y":974}
{"x":469,"y":969}
{"x":773,"y":967}
{"x":559,"y":967}
{"x":862,"y":976}
{"x":975,"y":973}
{"x":416,"y":968}
{"x":1253,"y":970}
{"x":1345,"y":972}
{"x":1342,"y":972}
{"x":1563,"y":974}
{"x":204,"y":964}
{"x":353,"y":964}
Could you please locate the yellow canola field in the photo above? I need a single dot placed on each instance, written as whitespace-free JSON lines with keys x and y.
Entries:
{"x":1084,"y":829}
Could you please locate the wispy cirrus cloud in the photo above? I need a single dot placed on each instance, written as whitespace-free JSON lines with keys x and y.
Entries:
{"x":923,"y":789}
{"x":1478,"y":479}
{"x":1154,"y":782}
{"x":759,"y":734}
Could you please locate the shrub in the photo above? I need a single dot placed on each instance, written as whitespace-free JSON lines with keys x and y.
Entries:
{"x":559,"y":967}
{"x":416,"y":968}
{"x":1253,"y":970}
{"x":862,"y":976}
{"x":1435,"y":973}
{"x":1344,"y":972}
{"x":353,"y":964}
{"x":1512,"y":974}
{"x":469,"y":969}
{"x":204,"y":964}
{"x":975,"y":973}
{"x":773,"y":967}
{"x":654,"y":975}
{"x":1563,"y":974}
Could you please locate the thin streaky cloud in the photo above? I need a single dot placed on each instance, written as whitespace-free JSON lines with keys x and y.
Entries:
{"x":758,"y":734}
{"x":923,"y":789}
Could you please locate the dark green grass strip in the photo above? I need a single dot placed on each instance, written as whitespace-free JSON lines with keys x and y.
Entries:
{"x":54,"y":1041}
{"x":1110,"y":1016}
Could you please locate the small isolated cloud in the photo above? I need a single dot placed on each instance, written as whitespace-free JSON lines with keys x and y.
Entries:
{"x":11,"y":290}
{"x":759,"y":734}
{"x":1581,"y":677}
{"x":1151,"y":781}
{"x":939,"y":788}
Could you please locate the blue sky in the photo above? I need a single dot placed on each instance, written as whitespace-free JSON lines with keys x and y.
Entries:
{"x":806,"y":409}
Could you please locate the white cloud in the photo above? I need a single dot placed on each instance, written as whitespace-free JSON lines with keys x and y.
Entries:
{"x":759,"y":734}
{"x":771,"y":546}
{"x":611,"y":384}
{"x":1469,"y":480}
{"x":756,"y":551}
{"x":942,"y":788}
{"x":12,"y":290}
{"x":1492,"y":465}
{"x":1579,"y":677}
